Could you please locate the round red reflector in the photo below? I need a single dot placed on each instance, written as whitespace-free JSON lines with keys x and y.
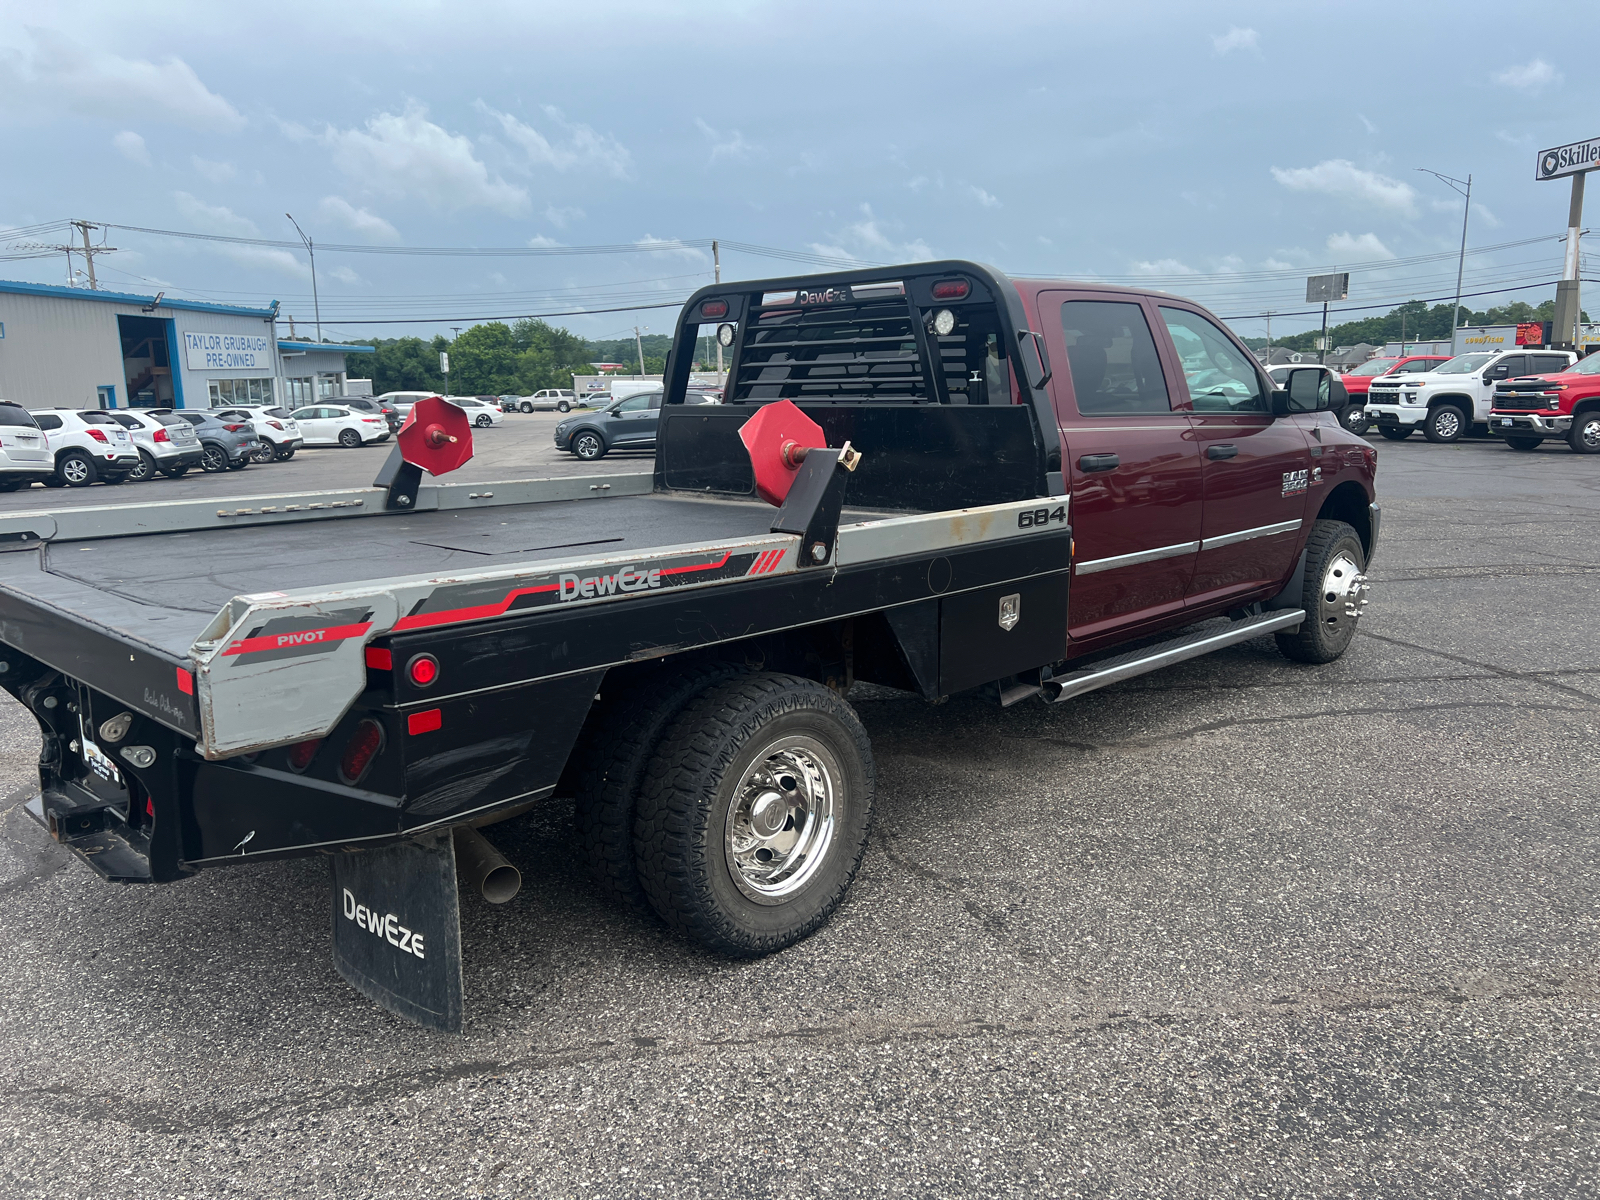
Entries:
{"x":360,"y":750}
{"x":423,"y":669}
{"x":951,"y":289}
{"x":714,"y":308}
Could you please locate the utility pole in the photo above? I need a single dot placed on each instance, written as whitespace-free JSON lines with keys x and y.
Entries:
{"x":716,"y":266}
{"x":1269,"y":339}
{"x":311,"y":251}
{"x":1323,"y":357}
{"x":1464,"y":189}
{"x":89,"y":251}
{"x":1569,"y":312}
{"x":639,"y":344}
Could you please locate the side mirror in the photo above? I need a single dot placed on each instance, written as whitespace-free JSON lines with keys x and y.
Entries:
{"x":1302,"y":392}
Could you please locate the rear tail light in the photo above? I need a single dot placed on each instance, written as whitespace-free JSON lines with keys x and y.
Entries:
{"x":712,"y":309}
{"x":236,"y":428}
{"x":423,"y":670}
{"x":160,"y":436}
{"x":275,"y":424}
{"x":360,"y":750}
{"x":301,"y":754}
{"x":98,"y":436}
{"x":951,"y":289}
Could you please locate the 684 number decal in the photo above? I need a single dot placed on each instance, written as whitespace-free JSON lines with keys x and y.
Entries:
{"x":1035,"y":517}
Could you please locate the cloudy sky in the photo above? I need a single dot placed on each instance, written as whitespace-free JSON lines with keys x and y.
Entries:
{"x":1217,"y":150}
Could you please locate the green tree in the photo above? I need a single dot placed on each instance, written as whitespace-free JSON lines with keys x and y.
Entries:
{"x":406,"y":364}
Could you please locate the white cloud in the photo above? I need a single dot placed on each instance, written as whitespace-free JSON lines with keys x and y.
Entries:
{"x":1276,"y":264}
{"x":405,"y":154}
{"x":131,"y":146}
{"x":217,"y":218}
{"x":358,"y":220}
{"x":1235,"y":39}
{"x":582,"y":148}
{"x":1341,"y":178}
{"x":1370,"y":127}
{"x":1162,"y":266}
{"x":342,"y":274}
{"x":541,"y":241}
{"x":1485,"y":216}
{"x":1529,"y":76}
{"x":216,"y":172}
{"x":729,"y":145}
{"x":561,"y":217}
{"x":1363,"y":247}
{"x":53,"y":71}
{"x":983,"y":197}
{"x":867,"y":241}
{"x":671,"y":246}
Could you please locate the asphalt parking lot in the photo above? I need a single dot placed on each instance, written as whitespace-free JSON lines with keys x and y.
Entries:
{"x":1242,"y":928}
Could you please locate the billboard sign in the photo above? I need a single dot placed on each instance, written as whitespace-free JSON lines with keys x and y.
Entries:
{"x":1571,"y":159}
{"x":1320,"y":289}
{"x":228,"y":352}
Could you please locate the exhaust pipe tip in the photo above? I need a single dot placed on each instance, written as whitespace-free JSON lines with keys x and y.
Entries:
{"x":496,"y":879}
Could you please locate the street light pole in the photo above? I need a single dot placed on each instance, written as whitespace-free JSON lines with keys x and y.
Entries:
{"x":1464,"y":189}
{"x":311,"y":250}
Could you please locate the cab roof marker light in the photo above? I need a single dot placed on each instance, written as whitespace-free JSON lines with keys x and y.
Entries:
{"x":713,"y":309}
{"x":951,"y":289}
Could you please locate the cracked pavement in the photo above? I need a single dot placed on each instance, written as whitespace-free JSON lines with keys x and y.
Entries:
{"x":1243,"y":928}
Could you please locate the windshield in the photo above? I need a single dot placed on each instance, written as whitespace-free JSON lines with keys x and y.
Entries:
{"x":1374,"y":366}
{"x":1462,"y":364}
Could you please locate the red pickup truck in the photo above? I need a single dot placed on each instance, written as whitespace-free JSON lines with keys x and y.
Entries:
{"x":1357,"y":382}
{"x":1566,"y":405}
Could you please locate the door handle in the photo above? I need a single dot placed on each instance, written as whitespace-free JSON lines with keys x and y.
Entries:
{"x":1222,"y":451}
{"x":1099,"y":462}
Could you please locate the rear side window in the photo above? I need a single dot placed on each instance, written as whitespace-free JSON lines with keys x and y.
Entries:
{"x":96,"y":418}
{"x":13,"y":414}
{"x":126,"y":421}
{"x":1219,"y":376}
{"x":276,"y":412}
{"x":1422,"y":364}
{"x":1113,"y":359}
{"x":1549,"y":364}
{"x":48,"y":421}
{"x":194,"y":419}
{"x":168,"y":418}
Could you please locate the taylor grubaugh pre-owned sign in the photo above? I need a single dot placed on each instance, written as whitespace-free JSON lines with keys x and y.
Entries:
{"x":1568,"y":159}
{"x":228,"y":352}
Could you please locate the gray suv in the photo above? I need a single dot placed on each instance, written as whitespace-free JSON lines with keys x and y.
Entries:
{"x":166,"y":443}
{"x":224,"y":445}
{"x":622,"y":425}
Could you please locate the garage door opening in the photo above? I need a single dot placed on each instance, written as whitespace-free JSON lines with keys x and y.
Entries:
{"x":147,"y":361}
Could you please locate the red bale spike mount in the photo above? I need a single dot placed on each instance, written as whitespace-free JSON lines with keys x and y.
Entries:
{"x":778,"y":438}
{"x":436,"y":436}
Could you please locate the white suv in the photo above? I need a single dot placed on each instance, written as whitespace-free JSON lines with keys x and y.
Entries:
{"x":274,"y":426}
{"x":165,"y":441}
{"x":1455,"y":397}
{"x":558,"y":399}
{"x":24,"y":452}
{"x":87,"y":445}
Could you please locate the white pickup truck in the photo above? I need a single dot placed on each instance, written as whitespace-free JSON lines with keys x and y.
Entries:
{"x":1454,"y":398}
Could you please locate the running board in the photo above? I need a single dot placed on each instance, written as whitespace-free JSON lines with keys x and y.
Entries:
{"x":1153,"y":658}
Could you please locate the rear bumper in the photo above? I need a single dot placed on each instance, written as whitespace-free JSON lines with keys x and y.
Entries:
{"x":1521,"y":424}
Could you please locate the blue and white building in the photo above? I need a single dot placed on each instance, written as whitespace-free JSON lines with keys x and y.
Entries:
{"x":79,"y":348}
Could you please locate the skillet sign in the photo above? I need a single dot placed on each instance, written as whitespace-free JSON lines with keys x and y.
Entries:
{"x":1568,"y":160}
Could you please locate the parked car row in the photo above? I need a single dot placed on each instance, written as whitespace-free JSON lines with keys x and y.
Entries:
{"x":63,"y":447}
{"x":482,"y":411}
{"x":1478,"y":392}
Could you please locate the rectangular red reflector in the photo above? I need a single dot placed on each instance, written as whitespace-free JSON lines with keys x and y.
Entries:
{"x":950,"y":289}
{"x":185,"y":682}
{"x":379,"y":659}
{"x":425,"y":722}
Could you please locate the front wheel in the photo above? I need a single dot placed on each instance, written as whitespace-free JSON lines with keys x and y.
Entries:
{"x":527,"y":408}
{"x":284,"y":453}
{"x":1524,"y":443}
{"x":145,"y":470}
{"x":1584,"y":436}
{"x":483,"y":421}
{"x":1355,"y":420}
{"x":1395,"y":433}
{"x":239,"y":464}
{"x":349,"y":439}
{"x":213,"y":458}
{"x":76,"y":469}
{"x":588,"y":446}
{"x":263,"y":453}
{"x":1333,"y":595}
{"x":1446,"y":423}
{"x":563,"y":407}
{"x":175,"y":472}
{"x":753,"y":817}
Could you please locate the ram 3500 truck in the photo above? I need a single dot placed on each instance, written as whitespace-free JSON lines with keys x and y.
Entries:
{"x":1563,"y":404}
{"x":1028,"y":487}
{"x":1453,"y":399}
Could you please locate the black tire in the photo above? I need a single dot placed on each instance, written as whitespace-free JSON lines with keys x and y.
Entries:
{"x":1333,"y":552}
{"x":1396,"y":433}
{"x":1523,"y":443}
{"x":213,"y":458}
{"x":611,"y":766}
{"x":76,"y":469}
{"x":1584,"y":436}
{"x":349,"y":439}
{"x":588,"y":445}
{"x":177,"y":472}
{"x":113,"y":478}
{"x":53,"y":481}
{"x":11,"y":485}
{"x":284,"y":453}
{"x":240,"y":463}
{"x":681,"y":830}
{"x":1354,"y":418}
{"x":264,"y":455}
{"x":563,"y":407}
{"x":527,"y":408}
{"x":1446,"y":423}
{"x":483,"y":421}
{"x":146,"y":469}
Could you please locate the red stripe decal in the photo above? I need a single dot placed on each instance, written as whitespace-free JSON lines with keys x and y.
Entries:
{"x":301,"y":637}
{"x":449,"y":616}
{"x":721,"y":562}
{"x":759,"y":567}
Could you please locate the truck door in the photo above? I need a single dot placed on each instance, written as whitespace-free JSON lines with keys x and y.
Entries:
{"x":1509,"y":367}
{"x":1133,"y":467}
{"x":1256,"y":468}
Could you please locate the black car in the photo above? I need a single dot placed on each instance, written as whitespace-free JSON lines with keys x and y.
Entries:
{"x":621,"y":425}
{"x":391,"y":414}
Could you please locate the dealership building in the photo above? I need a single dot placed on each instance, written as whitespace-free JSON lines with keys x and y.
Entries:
{"x":67,"y":347}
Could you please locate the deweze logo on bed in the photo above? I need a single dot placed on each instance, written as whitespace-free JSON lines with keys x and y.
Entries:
{"x":573,"y":587}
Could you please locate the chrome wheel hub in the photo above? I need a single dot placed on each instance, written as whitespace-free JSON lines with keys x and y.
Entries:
{"x":75,"y":470}
{"x":782,"y":818}
{"x":1448,"y":424}
{"x":1344,"y":591}
{"x":1590,"y":434}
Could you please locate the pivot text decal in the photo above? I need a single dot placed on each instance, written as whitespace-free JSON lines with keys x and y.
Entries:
{"x":299,"y":637}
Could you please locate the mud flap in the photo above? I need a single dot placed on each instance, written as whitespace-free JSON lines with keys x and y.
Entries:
{"x":397,"y":928}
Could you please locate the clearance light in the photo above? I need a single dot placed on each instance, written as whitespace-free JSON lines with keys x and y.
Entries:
{"x":424,"y":722}
{"x":360,"y":750}
{"x":423,"y":669}
{"x":301,"y":754}
{"x":944,"y":322}
{"x":712,"y":309}
{"x":379,"y":659}
{"x":725,"y":334}
{"x":951,"y":289}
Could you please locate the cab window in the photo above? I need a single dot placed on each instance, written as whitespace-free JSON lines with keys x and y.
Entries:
{"x":47,"y":421}
{"x":1220,"y":377}
{"x":1113,"y":360}
{"x":637,"y":403}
